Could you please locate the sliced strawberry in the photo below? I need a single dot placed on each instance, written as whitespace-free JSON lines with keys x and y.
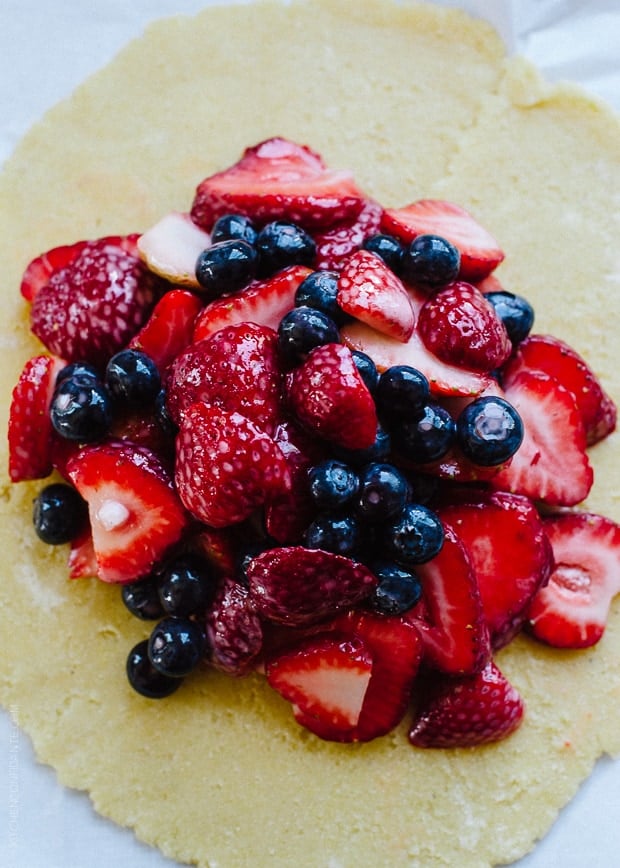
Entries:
{"x":465,"y":712}
{"x":171,"y":247}
{"x":556,"y":358}
{"x":264,"y":302}
{"x":480,"y":252}
{"x":509,"y":551}
{"x":39,"y":271}
{"x":571,"y":610}
{"x":82,"y":560}
{"x":135,"y":514}
{"x":335,"y":244}
{"x":236,"y":368}
{"x":298,"y":586}
{"x":369,"y":291}
{"x":226,"y":466}
{"x":142,"y":429}
{"x":169,"y":328}
{"x":30,"y":431}
{"x":551,"y":464}
{"x":234,"y":631}
{"x":278,"y":180}
{"x":329,"y":397}
{"x":219,"y":546}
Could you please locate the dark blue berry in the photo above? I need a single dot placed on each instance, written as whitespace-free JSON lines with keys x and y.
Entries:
{"x":187,"y":585}
{"x":515,"y":312}
{"x":383,"y":492}
{"x":81,"y":409}
{"x":427,"y":438}
{"x":59,"y":514}
{"x":333,"y":533}
{"x":301,"y":330}
{"x":388,"y":248}
{"x":162,"y":415}
{"x":143,"y":676}
{"x":413,"y":537}
{"x":366,"y":369}
{"x":398,"y":589}
{"x":280,"y":244}
{"x":132,"y":378}
{"x":379,"y":451}
{"x":141,"y":598}
{"x":233,"y":227}
{"x":76,"y":370}
{"x":332,"y":484}
{"x":431,"y":261}
{"x":319,"y":290}
{"x":176,"y":646}
{"x":423,"y":487}
{"x":489,"y":431}
{"x":402,"y":392}
{"x":226,"y":266}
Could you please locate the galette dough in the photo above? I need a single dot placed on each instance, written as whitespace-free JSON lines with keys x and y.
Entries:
{"x":417,"y":101}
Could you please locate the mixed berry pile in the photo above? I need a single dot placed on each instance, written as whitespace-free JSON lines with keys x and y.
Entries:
{"x":315,"y":437}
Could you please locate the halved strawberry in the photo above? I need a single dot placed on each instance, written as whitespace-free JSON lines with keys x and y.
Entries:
{"x":369,"y":291}
{"x":465,"y":712}
{"x":82,"y":560}
{"x":135,"y":513}
{"x":480,"y":252}
{"x":30,"y":431}
{"x":169,"y":328}
{"x":556,"y":358}
{"x":551,"y":464}
{"x":171,"y":248}
{"x":234,"y":630}
{"x":571,"y":610}
{"x":263,"y":302}
{"x":278,"y":180}
{"x":335,"y":244}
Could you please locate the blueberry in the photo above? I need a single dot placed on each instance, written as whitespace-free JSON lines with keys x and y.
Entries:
{"x":378,"y":451}
{"x":319,"y":290}
{"x":366,"y":369}
{"x":226,"y":266}
{"x":233,"y":227}
{"x":415,"y":536}
{"x":162,"y":415}
{"x":81,"y":409}
{"x":388,"y":248}
{"x":333,"y":533}
{"x":176,"y":646}
{"x":143,"y":676}
{"x":187,"y":585}
{"x":383,"y":492}
{"x":431,"y":261}
{"x":301,"y":330}
{"x":280,"y":244}
{"x":76,"y":370}
{"x":398,"y":589}
{"x":489,"y":431}
{"x":428,"y":438}
{"x":332,"y":484}
{"x":133,"y":378}
{"x":515,"y":312}
{"x":59,"y":514}
{"x":141,"y":598}
{"x":402,"y":392}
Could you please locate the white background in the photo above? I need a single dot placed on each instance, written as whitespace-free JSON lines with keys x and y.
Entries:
{"x":45,"y":50}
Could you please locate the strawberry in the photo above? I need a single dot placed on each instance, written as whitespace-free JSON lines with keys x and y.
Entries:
{"x":510,"y":554}
{"x":298,"y":586}
{"x":92,"y":307}
{"x":470,"y":711}
{"x":236,"y":369}
{"x":142,"y":429}
{"x":369,"y":291}
{"x":278,"y":180}
{"x":551,"y":464}
{"x":263,"y":302}
{"x":329,"y":397}
{"x":30,"y":431}
{"x":226,"y":466}
{"x":171,"y":248}
{"x":234,"y":631}
{"x":169,"y":328}
{"x":135,"y":514}
{"x":556,"y":358}
{"x":460,"y":327}
{"x":480,"y":252}
{"x":571,"y":610}
{"x":218,"y":545}
{"x":335,"y":244}
{"x":82,"y":560}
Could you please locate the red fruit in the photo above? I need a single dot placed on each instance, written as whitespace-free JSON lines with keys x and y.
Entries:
{"x":226,"y":466}
{"x":369,"y":291}
{"x":30,"y":431}
{"x":571,"y":610}
{"x":219,"y":546}
{"x":82,"y":560}
{"x":92,"y":307}
{"x":338,"y":242}
{"x":142,"y":429}
{"x":556,"y":358}
{"x":169,"y":329}
{"x":234,"y":631}
{"x":264,"y":302}
{"x":329,"y":397}
{"x":296,"y":586}
{"x":480,"y":252}
{"x":135,"y":514}
{"x":39,"y":271}
{"x":551,"y":464}
{"x":470,"y":711}
{"x":510,"y":553}
{"x":236,"y":369}
{"x":278,"y":180}
{"x":460,"y":327}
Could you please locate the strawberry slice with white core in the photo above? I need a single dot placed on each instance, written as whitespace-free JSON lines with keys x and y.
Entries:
{"x":571,"y":610}
{"x":369,"y":291}
{"x":169,"y":328}
{"x":135,"y":513}
{"x":480,"y":252}
{"x":171,"y":247}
